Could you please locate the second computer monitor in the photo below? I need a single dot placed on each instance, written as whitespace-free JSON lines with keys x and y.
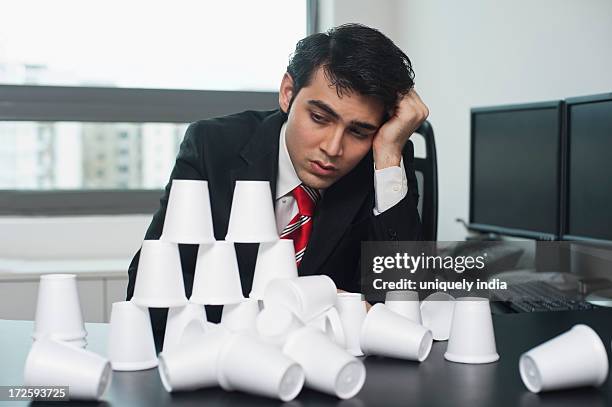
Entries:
{"x":589,"y":174}
{"x":516,"y":170}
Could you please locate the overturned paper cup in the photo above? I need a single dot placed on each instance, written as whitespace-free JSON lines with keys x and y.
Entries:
{"x":405,"y":303}
{"x":54,"y":363}
{"x":249,"y":365}
{"x":58,"y":310}
{"x":159,"y":280}
{"x":252,"y":217}
{"x":437,"y":314}
{"x":352,"y":310}
{"x":130,"y":338}
{"x":178,"y":320}
{"x":575,"y":358}
{"x":386,"y":333}
{"x":217,"y":277}
{"x":331,"y":325}
{"x":307,"y":297}
{"x":328,"y":367}
{"x":188,"y":215}
{"x":275,"y":323}
{"x":241,"y":317}
{"x":472,"y":339}
{"x":274,"y":260}
{"x":194,"y":364}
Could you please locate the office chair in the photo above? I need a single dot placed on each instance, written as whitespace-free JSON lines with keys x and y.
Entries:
{"x":427,"y":178}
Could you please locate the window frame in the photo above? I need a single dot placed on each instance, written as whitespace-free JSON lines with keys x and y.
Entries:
{"x":109,"y":105}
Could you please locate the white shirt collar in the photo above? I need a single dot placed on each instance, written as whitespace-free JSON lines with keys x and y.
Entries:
{"x":287,"y":179}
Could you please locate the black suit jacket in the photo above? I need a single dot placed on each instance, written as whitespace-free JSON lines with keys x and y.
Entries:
{"x":244,"y":146}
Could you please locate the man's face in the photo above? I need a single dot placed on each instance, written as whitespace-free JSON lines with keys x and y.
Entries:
{"x":327,"y":135}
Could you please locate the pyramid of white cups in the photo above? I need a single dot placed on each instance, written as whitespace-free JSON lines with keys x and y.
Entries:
{"x":291,"y":332}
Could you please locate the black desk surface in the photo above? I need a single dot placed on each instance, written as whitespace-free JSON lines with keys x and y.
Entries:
{"x":390,"y":382}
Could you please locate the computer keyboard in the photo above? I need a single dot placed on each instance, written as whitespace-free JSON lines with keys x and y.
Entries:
{"x":534,"y":296}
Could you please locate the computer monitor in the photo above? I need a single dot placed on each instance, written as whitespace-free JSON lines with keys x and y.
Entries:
{"x":588,"y":175}
{"x":515,"y":170}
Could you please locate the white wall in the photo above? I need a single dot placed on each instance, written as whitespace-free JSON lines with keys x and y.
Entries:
{"x":376,"y":14}
{"x":72,"y":238}
{"x":481,"y":52}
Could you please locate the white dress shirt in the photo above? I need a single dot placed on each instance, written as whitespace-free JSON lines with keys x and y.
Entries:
{"x":390,"y":186}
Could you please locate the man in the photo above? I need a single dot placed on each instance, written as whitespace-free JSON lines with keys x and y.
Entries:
{"x":336,"y":154}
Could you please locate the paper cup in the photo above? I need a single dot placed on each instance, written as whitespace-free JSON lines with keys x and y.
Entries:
{"x":437,"y":314}
{"x":217,"y":278}
{"x":188,"y":215}
{"x":241,"y":317}
{"x":274,"y":260}
{"x":575,"y":358}
{"x":328,"y":367}
{"x":58,"y":310}
{"x":307,"y":297}
{"x":274,"y":324}
{"x":387,"y":333}
{"x":130,"y":338}
{"x":249,"y":365}
{"x":472,"y":339}
{"x":405,"y":303}
{"x":178,"y":320}
{"x":193,"y":365}
{"x":252,"y":217}
{"x":54,"y":363}
{"x":159,"y":280}
{"x":331,"y":325}
{"x":352,"y":310}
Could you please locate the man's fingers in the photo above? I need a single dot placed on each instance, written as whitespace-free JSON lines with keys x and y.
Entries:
{"x":420,"y":106}
{"x":412,"y":104}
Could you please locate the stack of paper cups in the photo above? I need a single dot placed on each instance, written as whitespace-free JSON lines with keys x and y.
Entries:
{"x":58,"y":310}
{"x":274,"y":260}
{"x":248,"y":365}
{"x":573,"y":359}
{"x":159,"y":280}
{"x":328,"y":367}
{"x":387,"y":333}
{"x":54,"y":363}
{"x":130,"y":344}
{"x":252,"y":215}
{"x":472,"y":339}
{"x":217,"y":277}
{"x":188,"y":215}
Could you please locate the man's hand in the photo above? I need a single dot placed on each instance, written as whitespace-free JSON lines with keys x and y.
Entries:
{"x":393,"y":135}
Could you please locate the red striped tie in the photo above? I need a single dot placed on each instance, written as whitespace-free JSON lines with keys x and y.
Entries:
{"x":300,"y":227}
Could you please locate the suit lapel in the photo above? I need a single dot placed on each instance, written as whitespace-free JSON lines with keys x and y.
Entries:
{"x":334,"y":214}
{"x":260,"y":155}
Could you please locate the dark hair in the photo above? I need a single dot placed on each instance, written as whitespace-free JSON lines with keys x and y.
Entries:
{"x":354,"y":58}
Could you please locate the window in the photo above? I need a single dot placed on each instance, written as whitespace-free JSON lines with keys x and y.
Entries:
{"x":91,"y":123}
{"x":186,"y":44}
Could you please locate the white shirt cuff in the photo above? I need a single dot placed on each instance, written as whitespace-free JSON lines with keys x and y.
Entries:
{"x":390,"y":187}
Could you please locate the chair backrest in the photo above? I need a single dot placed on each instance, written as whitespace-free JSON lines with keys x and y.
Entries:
{"x":427,"y":177}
